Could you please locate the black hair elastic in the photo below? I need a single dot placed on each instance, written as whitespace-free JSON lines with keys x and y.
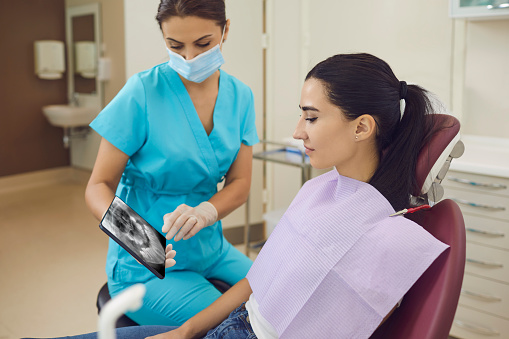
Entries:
{"x":402,"y":89}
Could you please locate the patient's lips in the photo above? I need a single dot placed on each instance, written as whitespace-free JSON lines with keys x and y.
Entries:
{"x":308,"y":149}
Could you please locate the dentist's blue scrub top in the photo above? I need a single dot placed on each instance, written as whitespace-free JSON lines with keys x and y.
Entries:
{"x":172,"y":159}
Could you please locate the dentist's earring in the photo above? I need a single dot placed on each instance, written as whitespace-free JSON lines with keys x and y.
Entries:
{"x":356,"y":137}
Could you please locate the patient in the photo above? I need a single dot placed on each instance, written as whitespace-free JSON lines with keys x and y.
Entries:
{"x":337,"y":264}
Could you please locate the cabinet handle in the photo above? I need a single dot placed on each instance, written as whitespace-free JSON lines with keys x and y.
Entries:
{"x":500,"y":6}
{"x":492,"y":234}
{"x":476,"y":328}
{"x":486,"y":297}
{"x":484,"y":263}
{"x":476,"y":205}
{"x":474,"y":183}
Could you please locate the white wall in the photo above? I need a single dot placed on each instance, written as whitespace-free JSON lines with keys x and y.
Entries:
{"x":463,"y":62}
{"x":414,"y":37}
{"x":284,"y":85}
{"x":144,"y":43}
{"x":242,"y":52}
{"x":243,"y":59}
{"x":485,"y":104}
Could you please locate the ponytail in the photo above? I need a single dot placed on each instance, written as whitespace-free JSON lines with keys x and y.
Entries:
{"x":364,"y":84}
{"x":395,"y":175}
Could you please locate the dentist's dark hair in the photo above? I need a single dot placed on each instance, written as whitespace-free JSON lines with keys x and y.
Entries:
{"x":205,"y":9}
{"x":363,"y":84}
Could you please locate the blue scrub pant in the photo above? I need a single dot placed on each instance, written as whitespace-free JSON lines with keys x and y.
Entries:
{"x":181,"y":294}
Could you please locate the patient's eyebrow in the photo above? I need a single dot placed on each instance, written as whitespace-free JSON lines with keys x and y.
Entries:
{"x":308,"y":108}
{"x":178,"y":42}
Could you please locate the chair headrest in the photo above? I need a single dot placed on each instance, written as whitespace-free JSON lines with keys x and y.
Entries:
{"x":435,"y":157}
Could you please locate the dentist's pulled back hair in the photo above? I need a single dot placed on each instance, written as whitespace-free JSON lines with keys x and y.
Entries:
{"x":205,"y":9}
{"x":363,"y":84}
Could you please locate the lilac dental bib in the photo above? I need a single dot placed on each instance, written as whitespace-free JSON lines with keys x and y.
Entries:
{"x":336,"y":263}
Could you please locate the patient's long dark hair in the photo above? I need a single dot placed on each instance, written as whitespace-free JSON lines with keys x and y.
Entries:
{"x":364,"y":84}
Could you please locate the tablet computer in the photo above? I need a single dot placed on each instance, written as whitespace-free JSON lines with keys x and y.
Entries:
{"x":135,"y":235}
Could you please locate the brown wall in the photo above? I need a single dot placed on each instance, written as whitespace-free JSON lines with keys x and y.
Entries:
{"x":27,"y":141}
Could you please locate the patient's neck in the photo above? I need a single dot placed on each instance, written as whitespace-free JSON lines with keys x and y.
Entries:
{"x":362,"y":166}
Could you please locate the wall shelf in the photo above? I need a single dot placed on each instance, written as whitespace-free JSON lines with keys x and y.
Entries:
{"x":479,"y":9}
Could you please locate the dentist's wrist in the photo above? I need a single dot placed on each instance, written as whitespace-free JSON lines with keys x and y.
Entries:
{"x":209,"y":211}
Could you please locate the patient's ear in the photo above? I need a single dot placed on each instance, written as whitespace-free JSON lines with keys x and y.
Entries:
{"x":365,"y":127}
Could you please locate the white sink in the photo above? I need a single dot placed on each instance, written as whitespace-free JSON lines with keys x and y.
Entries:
{"x":70,"y":116}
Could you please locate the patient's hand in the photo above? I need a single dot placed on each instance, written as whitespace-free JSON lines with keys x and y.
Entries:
{"x":177,"y":333}
{"x":170,"y":254}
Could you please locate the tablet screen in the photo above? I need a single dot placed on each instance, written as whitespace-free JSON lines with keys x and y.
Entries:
{"x":135,"y":235}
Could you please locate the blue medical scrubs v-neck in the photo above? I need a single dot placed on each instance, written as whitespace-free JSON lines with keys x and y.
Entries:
{"x":172,"y":159}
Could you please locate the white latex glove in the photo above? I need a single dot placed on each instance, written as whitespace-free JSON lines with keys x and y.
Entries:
{"x":170,"y":254}
{"x":188,"y":221}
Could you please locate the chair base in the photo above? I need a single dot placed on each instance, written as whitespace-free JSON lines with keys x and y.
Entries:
{"x":102,"y":298}
{"x":124,"y":321}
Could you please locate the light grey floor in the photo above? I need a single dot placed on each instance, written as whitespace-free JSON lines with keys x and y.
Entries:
{"x":52,"y":257}
{"x":52,"y":262}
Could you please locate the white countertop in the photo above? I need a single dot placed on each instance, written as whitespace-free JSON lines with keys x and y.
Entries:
{"x":484,"y":155}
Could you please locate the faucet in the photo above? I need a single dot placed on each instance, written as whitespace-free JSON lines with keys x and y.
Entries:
{"x":75,"y":99}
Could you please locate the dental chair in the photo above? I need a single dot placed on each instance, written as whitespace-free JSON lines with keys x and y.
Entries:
{"x":102,"y":298}
{"x":428,"y":309}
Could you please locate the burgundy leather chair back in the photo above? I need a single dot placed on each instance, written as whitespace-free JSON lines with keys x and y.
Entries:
{"x":428,"y":309}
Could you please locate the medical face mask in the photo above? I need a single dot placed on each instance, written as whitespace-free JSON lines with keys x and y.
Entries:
{"x":200,"y":67}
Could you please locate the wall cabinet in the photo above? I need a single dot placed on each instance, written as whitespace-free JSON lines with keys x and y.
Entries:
{"x":483,"y":309}
{"x":479,"y":9}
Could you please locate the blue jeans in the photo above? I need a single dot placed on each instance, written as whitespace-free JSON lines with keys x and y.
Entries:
{"x":133,"y":332}
{"x":236,"y":326}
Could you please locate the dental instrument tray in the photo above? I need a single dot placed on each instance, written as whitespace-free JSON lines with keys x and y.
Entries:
{"x":288,"y":155}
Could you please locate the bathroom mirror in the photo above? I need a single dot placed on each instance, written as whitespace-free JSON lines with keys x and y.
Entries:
{"x":83,"y":52}
{"x":85,"y":64}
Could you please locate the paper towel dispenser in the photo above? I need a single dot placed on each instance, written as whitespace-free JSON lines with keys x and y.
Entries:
{"x":49,"y":59}
{"x":85,"y":57}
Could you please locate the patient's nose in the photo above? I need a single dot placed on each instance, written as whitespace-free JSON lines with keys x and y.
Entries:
{"x":299,"y":132}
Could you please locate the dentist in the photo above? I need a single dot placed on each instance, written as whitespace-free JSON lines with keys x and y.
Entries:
{"x":168,"y":138}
